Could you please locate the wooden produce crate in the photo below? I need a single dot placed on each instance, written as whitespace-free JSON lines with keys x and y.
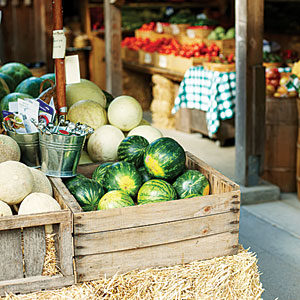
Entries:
{"x":146,"y":58}
{"x":184,"y":39}
{"x":219,"y":67}
{"x":182,"y":64}
{"x":226,"y":46}
{"x":129,"y":55}
{"x":201,"y":32}
{"x":158,"y":234}
{"x":23,"y":250}
{"x":152,"y":35}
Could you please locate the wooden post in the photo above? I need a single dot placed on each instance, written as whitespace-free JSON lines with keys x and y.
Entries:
{"x":250,"y":95}
{"x":113,"y":38}
{"x":60,"y":76}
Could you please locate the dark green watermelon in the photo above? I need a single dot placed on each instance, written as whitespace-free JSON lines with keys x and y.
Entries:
{"x":74,"y":181}
{"x":87,"y":192}
{"x":191,"y":196}
{"x":144,"y":174}
{"x":191,"y":182}
{"x":115,"y":199}
{"x":9,"y":81}
{"x":164,"y":158}
{"x":17,"y":71}
{"x":4,"y":90}
{"x":132,"y":149}
{"x":49,"y":76}
{"x":12,"y":97}
{"x":156,"y":190}
{"x":30,"y":86}
{"x":100,"y":171}
{"x":109,"y":98}
{"x":123,"y":176}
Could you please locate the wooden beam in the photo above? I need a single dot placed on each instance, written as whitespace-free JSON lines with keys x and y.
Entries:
{"x":250,"y":96}
{"x":113,"y":38}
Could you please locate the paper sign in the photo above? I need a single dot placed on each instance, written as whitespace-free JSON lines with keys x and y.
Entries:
{"x":159,"y":27}
{"x":162,"y":61}
{"x":59,"y":44}
{"x":147,"y":58}
{"x":13,"y":107}
{"x":175,"y":29}
{"x":191,"y":33}
{"x":72,"y":69}
{"x":29,"y":109}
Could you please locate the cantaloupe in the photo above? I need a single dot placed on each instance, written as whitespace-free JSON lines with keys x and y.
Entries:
{"x":41,"y":183}
{"x":5,"y":209}
{"x":125,"y":112}
{"x":9,"y":149}
{"x":84,"y":90}
{"x":16,"y":182}
{"x":88,"y":112}
{"x":104,"y":142}
{"x":148,"y":132}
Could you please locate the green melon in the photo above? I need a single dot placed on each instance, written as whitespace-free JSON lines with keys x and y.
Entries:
{"x":9,"y":81}
{"x":17,"y":71}
{"x":4,"y":90}
{"x":156,"y":190}
{"x":100,"y":172}
{"x":87,"y":192}
{"x":115,"y":199}
{"x":123,"y":176}
{"x":30,"y":86}
{"x":191,"y":196}
{"x":12,"y":97}
{"x":164,"y":158}
{"x":49,"y":76}
{"x":191,"y":182}
{"x":132,"y":149}
{"x":144,"y":174}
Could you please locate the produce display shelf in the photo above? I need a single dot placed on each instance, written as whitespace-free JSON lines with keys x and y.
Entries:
{"x":158,"y":234}
{"x":23,"y":250}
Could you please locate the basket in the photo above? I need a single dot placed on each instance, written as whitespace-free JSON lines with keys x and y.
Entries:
{"x":219,"y":67}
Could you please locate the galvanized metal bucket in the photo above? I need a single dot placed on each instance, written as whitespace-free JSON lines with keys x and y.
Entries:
{"x":60,"y":154}
{"x":29,"y":145}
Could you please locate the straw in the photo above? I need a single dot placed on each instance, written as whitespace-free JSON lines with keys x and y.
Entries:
{"x":230,"y":277}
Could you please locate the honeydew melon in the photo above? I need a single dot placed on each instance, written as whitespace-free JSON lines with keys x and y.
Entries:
{"x":9,"y":149}
{"x":148,"y":132}
{"x":5,"y":209}
{"x":41,"y":183}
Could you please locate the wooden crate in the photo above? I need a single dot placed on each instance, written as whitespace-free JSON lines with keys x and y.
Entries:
{"x":226,"y":46}
{"x":219,"y":67}
{"x":152,"y":35}
{"x":146,"y":58}
{"x":158,"y":234}
{"x":22,"y":272}
{"x":201,"y":32}
{"x":129,"y":55}
{"x":182,"y":64}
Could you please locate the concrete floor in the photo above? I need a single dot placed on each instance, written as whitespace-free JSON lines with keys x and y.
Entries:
{"x":270,"y":229}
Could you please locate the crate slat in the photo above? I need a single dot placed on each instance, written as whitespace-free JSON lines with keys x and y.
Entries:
{"x":121,"y":218}
{"x":34,"y":250}
{"x":153,"y":235}
{"x":11,"y":261}
{"x":94,"y":266}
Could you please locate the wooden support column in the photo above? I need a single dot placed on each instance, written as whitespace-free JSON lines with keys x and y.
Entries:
{"x":250,"y":92}
{"x":113,"y":38}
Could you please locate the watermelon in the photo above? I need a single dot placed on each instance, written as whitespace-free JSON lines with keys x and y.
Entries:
{"x":191,"y":196}
{"x":30,"y":86}
{"x":156,"y":190}
{"x":9,"y":81}
{"x":17,"y":71}
{"x":115,"y":199}
{"x":123,"y":176}
{"x":100,"y":172}
{"x":87,"y":192}
{"x":12,"y":97}
{"x":109,"y":98}
{"x":4,"y":90}
{"x":132,"y":149}
{"x":164,"y":158}
{"x":47,"y":84}
{"x":191,"y":182}
{"x":144,"y":174}
{"x":74,"y":181}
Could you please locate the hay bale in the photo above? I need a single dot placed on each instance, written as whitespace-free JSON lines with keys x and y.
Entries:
{"x":229,"y":277}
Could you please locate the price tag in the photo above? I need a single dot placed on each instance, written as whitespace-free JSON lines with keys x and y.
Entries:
{"x":175,"y":29}
{"x":59,"y":44}
{"x":190,"y":33}
{"x":72,"y":69}
{"x":147,"y":58}
{"x":162,"y":61}
{"x":159,"y":27}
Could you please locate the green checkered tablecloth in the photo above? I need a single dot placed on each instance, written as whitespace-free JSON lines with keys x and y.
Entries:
{"x":210,"y":91}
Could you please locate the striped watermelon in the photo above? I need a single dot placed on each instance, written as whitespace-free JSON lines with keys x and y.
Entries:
{"x":49,"y":76}
{"x":72,"y":182}
{"x":100,"y":172}
{"x":156,"y":190}
{"x":191,"y":182}
{"x":87,"y":192}
{"x":17,"y":71}
{"x":132,"y":149}
{"x":123,"y":176}
{"x":9,"y":81}
{"x":30,"y":86}
{"x":144,"y":174}
{"x":115,"y":199}
{"x":164,"y":158}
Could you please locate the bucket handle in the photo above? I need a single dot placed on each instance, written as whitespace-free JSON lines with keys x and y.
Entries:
{"x":43,"y":83}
